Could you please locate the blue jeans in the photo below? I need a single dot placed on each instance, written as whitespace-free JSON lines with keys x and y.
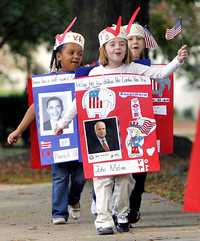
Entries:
{"x":67,"y":184}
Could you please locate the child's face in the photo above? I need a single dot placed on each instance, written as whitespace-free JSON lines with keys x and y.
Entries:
{"x":70,"y":57}
{"x":116,"y":51}
{"x":137,"y":45}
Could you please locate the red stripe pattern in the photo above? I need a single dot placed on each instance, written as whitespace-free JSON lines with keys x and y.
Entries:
{"x":149,"y":39}
{"x":174,"y":31}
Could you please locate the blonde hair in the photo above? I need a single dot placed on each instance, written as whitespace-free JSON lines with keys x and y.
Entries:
{"x":103,"y":58}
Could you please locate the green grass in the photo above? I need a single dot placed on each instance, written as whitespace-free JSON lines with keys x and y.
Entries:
{"x":11,"y":152}
{"x":19,"y":172}
{"x":15,"y":168}
{"x":4,"y":92}
{"x":170,"y":181}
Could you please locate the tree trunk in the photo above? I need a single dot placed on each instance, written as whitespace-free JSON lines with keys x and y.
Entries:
{"x":95,"y":15}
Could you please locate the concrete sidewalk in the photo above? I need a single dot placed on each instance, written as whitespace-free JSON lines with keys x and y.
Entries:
{"x":25,"y":216}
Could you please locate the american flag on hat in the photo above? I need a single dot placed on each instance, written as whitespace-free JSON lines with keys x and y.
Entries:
{"x":149,"y":39}
{"x":174,"y":31}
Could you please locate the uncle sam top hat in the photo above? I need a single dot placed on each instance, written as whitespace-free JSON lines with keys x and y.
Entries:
{"x":116,"y":31}
{"x":69,"y":37}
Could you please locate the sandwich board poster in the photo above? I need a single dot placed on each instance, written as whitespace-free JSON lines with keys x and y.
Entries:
{"x":116,"y":111}
{"x":53,"y":95}
{"x":163,"y":109}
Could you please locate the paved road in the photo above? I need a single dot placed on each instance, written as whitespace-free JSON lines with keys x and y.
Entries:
{"x":25,"y":216}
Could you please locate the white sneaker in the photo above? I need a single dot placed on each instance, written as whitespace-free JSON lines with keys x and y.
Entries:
{"x":59,"y":220}
{"x":93,"y":208}
{"x":74,"y":211}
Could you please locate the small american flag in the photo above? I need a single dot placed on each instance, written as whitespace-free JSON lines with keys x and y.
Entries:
{"x":145,"y":126}
{"x":149,"y":39}
{"x":46,"y":144}
{"x":94,"y":101}
{"x":174,"y":31}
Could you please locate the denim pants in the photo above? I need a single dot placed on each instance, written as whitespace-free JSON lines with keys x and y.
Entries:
{"x":67,"y":185}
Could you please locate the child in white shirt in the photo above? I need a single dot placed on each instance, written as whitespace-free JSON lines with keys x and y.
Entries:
{"x":115,"y":57}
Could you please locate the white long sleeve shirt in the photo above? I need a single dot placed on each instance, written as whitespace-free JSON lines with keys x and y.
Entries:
{"x":68,"y":117}
{"x":154,"y":72}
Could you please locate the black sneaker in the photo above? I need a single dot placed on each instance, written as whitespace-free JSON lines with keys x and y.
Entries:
{"x":105,"y":231}
{"x":122,"y":227}
{"x":134,"y":217}
{"x":121,"y":223}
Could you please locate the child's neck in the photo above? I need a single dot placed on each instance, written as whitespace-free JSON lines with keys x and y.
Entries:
{"x":113,"y":65}
{"x":67,"y":70}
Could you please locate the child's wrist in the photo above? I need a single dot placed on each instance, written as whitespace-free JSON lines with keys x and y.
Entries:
{"x":180,"y":60}
{"x":20,"y":130}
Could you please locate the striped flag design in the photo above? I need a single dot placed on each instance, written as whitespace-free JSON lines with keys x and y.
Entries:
{"x":46,"y":144}
{"x":94,"y":101}
{"x":174,"y":31}
{"x":145,"y":126}
{"x":149,"y":39}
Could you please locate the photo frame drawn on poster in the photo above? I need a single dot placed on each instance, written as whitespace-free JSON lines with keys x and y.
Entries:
{"x":95,"y":152}
{"x":65,"y":99}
